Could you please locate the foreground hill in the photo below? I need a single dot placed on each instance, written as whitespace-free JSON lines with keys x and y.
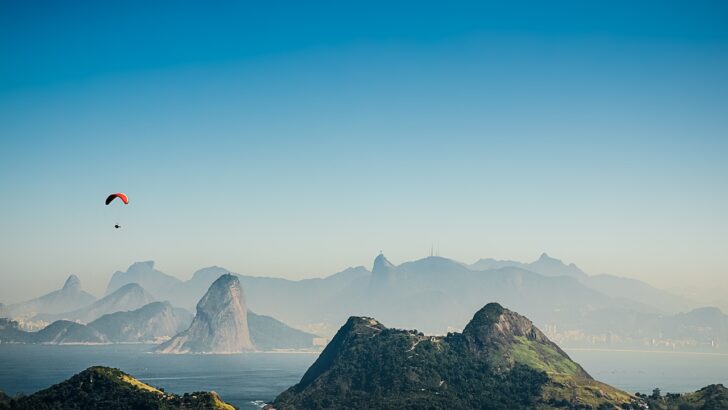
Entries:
{"x":110,"y":389}
{"x":500,"y":361}
{"x":712,"y":397}
{"x":69,"y":297}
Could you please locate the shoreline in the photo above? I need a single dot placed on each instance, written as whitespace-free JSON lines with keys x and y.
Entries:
{"x":597,"y":349}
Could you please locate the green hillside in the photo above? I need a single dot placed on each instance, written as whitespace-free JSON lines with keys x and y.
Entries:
{"x":111,"y":389}
{"x":713,"y":397}
{"x":500,"y":361}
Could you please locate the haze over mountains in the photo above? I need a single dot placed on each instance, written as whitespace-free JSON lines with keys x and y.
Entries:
{"x":68,"y":298}
{"x":610,"y":285}
{"x":128,"y":297}
{"x":150,"y":323}
{"x":435,"y":294}
{"x":223,"y":323}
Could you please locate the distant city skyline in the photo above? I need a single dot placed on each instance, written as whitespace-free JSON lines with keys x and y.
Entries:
{"x":297,"y":141}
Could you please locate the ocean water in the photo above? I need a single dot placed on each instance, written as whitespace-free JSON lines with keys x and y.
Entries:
{"x":244,"y":380}
{"x":642,"y":371}
{"x":248,"y":380}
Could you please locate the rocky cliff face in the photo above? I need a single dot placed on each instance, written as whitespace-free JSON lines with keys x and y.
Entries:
{"x":499,"y":361}
{"x":220,"y":325}
{"x":383,"y":274}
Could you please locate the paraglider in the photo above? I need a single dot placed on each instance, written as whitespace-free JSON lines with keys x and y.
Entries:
{"x":122,"y":197}
{"x":119,"y":195}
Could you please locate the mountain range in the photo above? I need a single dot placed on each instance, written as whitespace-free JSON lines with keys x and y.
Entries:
{"x":150,"y":323}
{"x":434,"y":294}
{"x":222,"y":317}
{"x":128,"y":297}
{"x":69,"y":297}
{"x":610,"y":285}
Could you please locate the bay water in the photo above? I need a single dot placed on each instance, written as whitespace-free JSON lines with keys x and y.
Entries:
{"x":251,"y":379}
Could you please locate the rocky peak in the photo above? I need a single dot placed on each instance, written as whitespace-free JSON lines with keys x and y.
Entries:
{"x":547,"y":265}
{"x":381,"y":264}
{"x":73,"y":283}
{"x":382,"y":273}
{"x":220,"y":325}
{"x":144,"y":266}
{"x":494,"y":324}
{"x":545,"y":258}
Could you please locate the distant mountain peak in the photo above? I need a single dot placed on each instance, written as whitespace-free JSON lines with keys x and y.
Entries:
{"x":547,"y":265}
{"x":159,"y":283}
{"x":145,"y":264}
{"x":382,"y":273}
{"x":381,"y":263}
{"x":72,"y":283}
{"x":546,"y":258}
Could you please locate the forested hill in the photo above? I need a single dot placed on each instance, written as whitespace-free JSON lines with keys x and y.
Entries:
{"x":500,"y":361}
{"x":110,"y":389}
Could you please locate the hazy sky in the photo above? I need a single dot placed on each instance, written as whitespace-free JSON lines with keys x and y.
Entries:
{"x":295,"y":140}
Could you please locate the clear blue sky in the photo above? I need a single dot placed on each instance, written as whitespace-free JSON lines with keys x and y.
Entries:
{"x":296,"y":139}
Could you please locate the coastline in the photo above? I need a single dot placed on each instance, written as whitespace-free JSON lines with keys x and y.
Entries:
{"x":679,"y":352}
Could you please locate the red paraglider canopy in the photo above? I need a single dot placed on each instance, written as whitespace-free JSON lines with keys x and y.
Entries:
{"x":119,"y":195}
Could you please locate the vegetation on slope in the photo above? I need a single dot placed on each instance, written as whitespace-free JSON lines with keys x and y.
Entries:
{"x":112,"y":389}
{"x":712,"y":397}
{"x":500,"y":361}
